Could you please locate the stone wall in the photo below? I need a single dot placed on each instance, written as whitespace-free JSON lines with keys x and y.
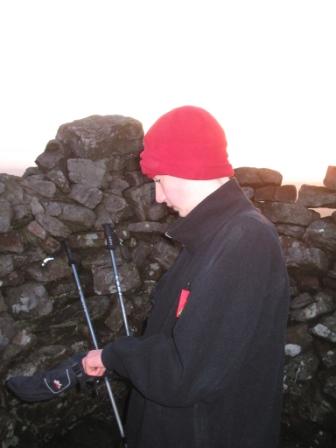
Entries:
{"x":88,"y":175}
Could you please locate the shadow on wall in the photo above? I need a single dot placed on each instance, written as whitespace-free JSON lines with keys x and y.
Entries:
{"x":89,"y":175}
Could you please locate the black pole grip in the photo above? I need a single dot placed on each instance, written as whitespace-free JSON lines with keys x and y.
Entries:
{"x":110,"y":236}
{"x":68,"y":252}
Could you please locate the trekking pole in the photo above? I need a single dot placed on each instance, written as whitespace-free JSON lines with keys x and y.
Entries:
{"x":72,"y":263}
{"x":111,"y":244}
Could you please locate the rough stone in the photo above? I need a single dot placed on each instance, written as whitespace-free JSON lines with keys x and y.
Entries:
{"x":50,"y":245}
{"x":59,"y":179}
{"x":299,"y":335}
{"x":300,"y":368}
{"x":24,"y":338}
{"x":330,"y":279}
{"x":140,"y":254}
{"x":98,"y":306}
{"x":88,"y":196}
{"x":329,"y":387}
{"x":53,"y":208}
{"x":6,"y":265}
{"x":87,"y":240}
{"x":142,"y":198}
{"x":13,"y":192}
{"x":312,"y":196}
{"x":28,"y":301}
{"x":265,"y":193}
{"x":320,"y":411}
{"x":291,"y":230}
{"x":330,"y":178}
{"x":164,"y":253}
{"x":52,"y":155}
{"x":305,"y":259}
{"x":308,"y":283}
{"x":114,"y":320}
{"x":103,"y":279}
{"x":36,"y":206}
{"x":257,"y":176}
{"x":6,"y":216}
{"x":11,"y":242}
{"x":31,"y":171}
{"x":301,"y":301}
{"x":323,"y":304}
{"x":279,"y":212}
{"x":50,"y":269}
{"x":97,"y":137}
{"x":87,"y":172}
{"x":35,"y":229}
{"x":42,"y":187}
{"x":117,"y":185}
{"x":22,"y":213}
{"x":157,"y":212}
{"x":322,"y":233}
{"x":79,"y":215}
{"x":283,"y":193}
{"x":147,"y":227}
{"x":113,"y":209}
{"x":3,"y":306}
{"x":326,"y":328}
{"x":292,"y":350}
{"x":152,"y":271}
{"x":53,"y":225}
{"x":7,"y":330}
{"x":135,"y":178}
{"x":329,"y":358}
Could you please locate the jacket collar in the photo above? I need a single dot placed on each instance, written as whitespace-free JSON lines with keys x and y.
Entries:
{"x":209,"y":215}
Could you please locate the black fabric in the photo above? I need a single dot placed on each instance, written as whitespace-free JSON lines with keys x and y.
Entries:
{"x":213,"y":376}
{"x":48,"y":384}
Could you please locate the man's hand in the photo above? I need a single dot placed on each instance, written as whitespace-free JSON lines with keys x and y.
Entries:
{"x":92,"y":363}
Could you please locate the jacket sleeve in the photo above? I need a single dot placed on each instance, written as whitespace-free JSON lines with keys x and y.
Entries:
{"x":231,"y":307}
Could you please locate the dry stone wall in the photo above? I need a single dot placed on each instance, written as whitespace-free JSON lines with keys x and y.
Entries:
{"x":89,"y":175}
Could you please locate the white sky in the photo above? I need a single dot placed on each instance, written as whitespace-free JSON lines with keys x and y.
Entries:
{"x":266,"y":69}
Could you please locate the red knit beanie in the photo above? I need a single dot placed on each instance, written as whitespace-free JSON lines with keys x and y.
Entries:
{"x":186,"y":142}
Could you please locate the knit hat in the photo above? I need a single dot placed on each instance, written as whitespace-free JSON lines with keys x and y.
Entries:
{"x":186,"y":142}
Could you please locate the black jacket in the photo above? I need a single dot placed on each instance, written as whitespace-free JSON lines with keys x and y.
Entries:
{"x":211,"y":377}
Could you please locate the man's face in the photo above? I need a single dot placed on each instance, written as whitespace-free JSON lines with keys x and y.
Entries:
{"x":174,"y":192}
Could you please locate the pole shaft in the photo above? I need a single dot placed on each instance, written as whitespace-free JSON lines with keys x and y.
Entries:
{"x":111,"y":240}
{"x":94,"y":340}
{"x":120,"y":295}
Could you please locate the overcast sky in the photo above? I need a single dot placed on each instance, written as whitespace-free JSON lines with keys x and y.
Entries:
{"x":264,"y":68}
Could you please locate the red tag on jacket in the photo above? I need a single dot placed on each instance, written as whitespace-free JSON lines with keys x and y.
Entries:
{"x":184,"y":295}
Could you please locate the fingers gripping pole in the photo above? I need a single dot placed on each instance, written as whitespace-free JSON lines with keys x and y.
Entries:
{"x":72,"y":263}
{"x":111,"y":243}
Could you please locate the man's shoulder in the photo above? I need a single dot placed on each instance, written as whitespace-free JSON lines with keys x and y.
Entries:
{"x":248,"y":224}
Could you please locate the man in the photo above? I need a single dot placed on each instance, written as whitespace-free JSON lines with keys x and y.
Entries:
{"x":208,"y":370}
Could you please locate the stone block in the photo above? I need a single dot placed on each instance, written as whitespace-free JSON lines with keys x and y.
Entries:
{"x":282,"y":213}
{"x":321,"y":233}
{"x":87,"y":172}
{"x":330,"y":178}
{"x":312,"y":196}
{"x":88,"y":196}
{"x":257,"y":177}
{"x":28,"y":301}
{"x":98,"y":137}
{"x":6,"y":216}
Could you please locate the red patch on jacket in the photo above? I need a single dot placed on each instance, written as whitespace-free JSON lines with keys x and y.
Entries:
{"x":183,"y":299}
